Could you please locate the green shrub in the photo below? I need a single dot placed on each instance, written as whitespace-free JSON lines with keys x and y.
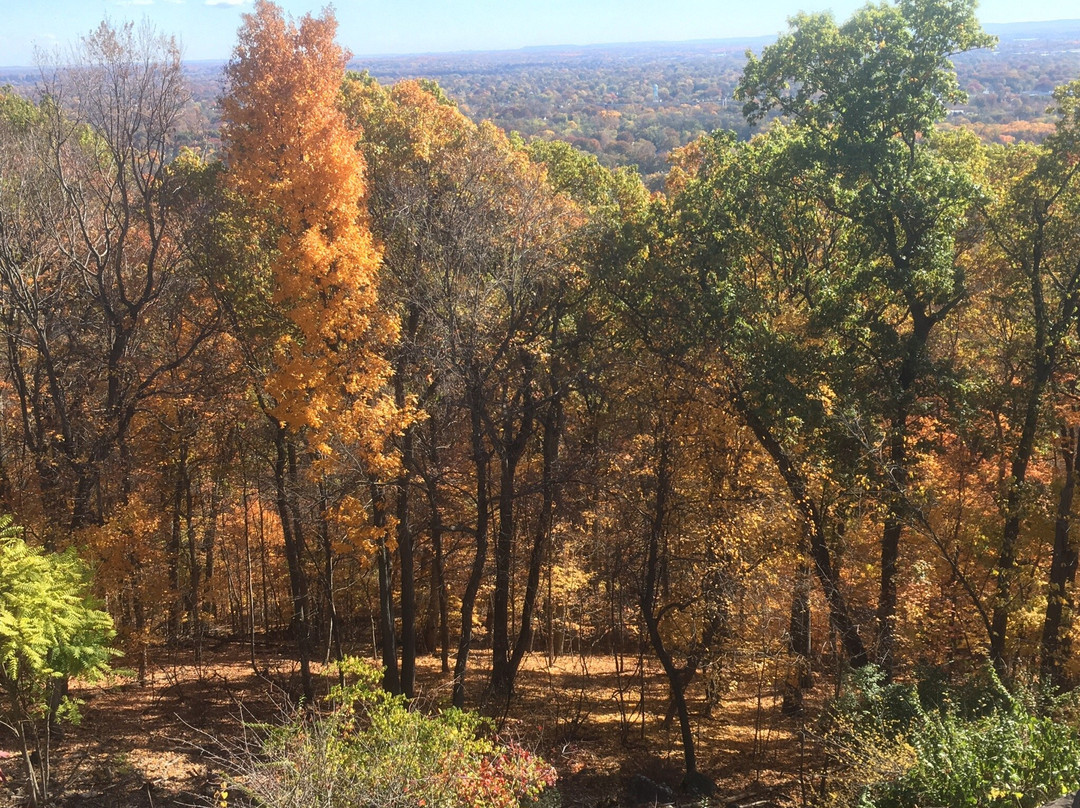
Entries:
{"x":977,"y":746}
{"x":50,"y":629}
{"x":369,"y":750}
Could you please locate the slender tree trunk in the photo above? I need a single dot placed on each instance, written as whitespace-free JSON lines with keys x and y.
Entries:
{"x":500,"y":634}
{"x":1063,"y":563}
{"x":406,"y":555}
{"x":799,"y":636}
{"x":176,"y":616}
{"x":553,"y":426}
{"x":438,"y":559}
{"x":334,"y":629}
{"x":438,"y":586}
{"x":839,"y":613}
{"x":385,"y":563}
{"x":194,"y":571}
{"x":648,"y":607}
{"x":1014,"y":500}
{"x":890,"y":547}
{"x":481,"y":460}
{"x":511,"y":450}
{"x":245,"y":504}
{"x":298,"y":584}
{"x":405,"y":548}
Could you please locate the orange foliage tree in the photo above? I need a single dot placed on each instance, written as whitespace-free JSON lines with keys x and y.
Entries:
{"x":291,"y":157}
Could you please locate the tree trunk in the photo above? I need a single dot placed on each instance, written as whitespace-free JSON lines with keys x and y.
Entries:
{"x":406,"y":555}
{"x":1063,"y":563}
{"x":799,"y":638}
{"x":438,"y":559}
{"x":298,"y":584}
{"x":1014,"y":499}
{"x":334,"y":628}
{"x":553,"y":427}
{"x":839,"y":614}
{"x":675,"y":678}
{"x":500,"y":634}
{"x":385,"y":563}
{"x":481,"y":459}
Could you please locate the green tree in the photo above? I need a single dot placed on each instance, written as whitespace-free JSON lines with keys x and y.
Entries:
{"x":743,"y":251}
{"x":1034,"y":253}
{"x":866,"y":96}
{"x":50,"y":629}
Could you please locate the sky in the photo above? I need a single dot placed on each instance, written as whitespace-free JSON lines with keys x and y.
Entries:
{"x":207,"y":28}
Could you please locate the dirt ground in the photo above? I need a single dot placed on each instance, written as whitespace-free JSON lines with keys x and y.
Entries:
{"x":162,"y":744}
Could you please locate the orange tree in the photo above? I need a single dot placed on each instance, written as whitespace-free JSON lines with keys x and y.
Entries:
{"x":322,"y":380}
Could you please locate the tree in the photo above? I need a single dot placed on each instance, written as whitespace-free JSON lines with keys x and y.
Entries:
{"x":741,"y":252}
{"x":90,"y":269}
{"x":292,"y":158}
{"x":866,"y":95}
{"x":476,"y":264}
{"x":291,"y":154}
{"x":1032,"y":213}
{"x":50,"y":629}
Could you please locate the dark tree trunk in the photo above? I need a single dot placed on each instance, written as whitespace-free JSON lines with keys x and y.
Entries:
{"x":1063,"y":563}
{"x":553,"y":427}
{"x":405,"y":548}
{"x":438,"y":574}
{"x":504,"y":540}
{"x":481,"y":460}
{"x":408,"y":593}
{"x":799,"y":638}
{"x":1010,"y":535}
{"x":333,"y":629}
{"x":385,"y":563}
{"x":298,"y":585}
{"x":676,"y":678}
{"x":839,"y":614}
{"x":512,"y":442}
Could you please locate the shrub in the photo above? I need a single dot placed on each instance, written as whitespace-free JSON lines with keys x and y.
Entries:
{"x":50,"y":629}
{"x":370,"y":750}
{"x":976,"y":747}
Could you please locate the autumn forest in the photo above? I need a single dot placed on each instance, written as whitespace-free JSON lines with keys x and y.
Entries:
{"x":368,"y":378}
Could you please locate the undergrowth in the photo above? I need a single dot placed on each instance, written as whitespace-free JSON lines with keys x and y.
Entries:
{"x":368,"y":749}
{"x":975,"y":745}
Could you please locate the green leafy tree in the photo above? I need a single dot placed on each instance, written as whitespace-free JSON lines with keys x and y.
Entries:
{"x":50,"y":629}
{"x":744,"y":251}
{"x":866,"y":96}
{"x":1034,"y":249}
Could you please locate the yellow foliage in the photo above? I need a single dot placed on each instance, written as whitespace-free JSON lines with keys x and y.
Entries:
{"x":292,"y":154}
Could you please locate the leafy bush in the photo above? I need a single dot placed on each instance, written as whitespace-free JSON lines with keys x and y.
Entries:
{"x":369,"y":750}
{"x":50,"y":629}
{"x":977,"y":746}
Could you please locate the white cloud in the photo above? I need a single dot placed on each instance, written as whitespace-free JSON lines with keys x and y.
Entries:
{"x":225,"y":2}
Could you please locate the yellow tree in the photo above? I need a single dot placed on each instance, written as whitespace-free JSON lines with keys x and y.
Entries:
{"x":291,"y":156}
{"x":291,"y":153}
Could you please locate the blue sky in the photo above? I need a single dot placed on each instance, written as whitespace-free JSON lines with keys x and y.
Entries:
{"x":207,"y":27}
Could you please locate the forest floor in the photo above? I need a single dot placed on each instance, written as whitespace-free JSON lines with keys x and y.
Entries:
{"x":165,"y":743}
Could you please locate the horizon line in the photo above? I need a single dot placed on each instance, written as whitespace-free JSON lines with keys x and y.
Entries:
{"x":590,"y":45}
